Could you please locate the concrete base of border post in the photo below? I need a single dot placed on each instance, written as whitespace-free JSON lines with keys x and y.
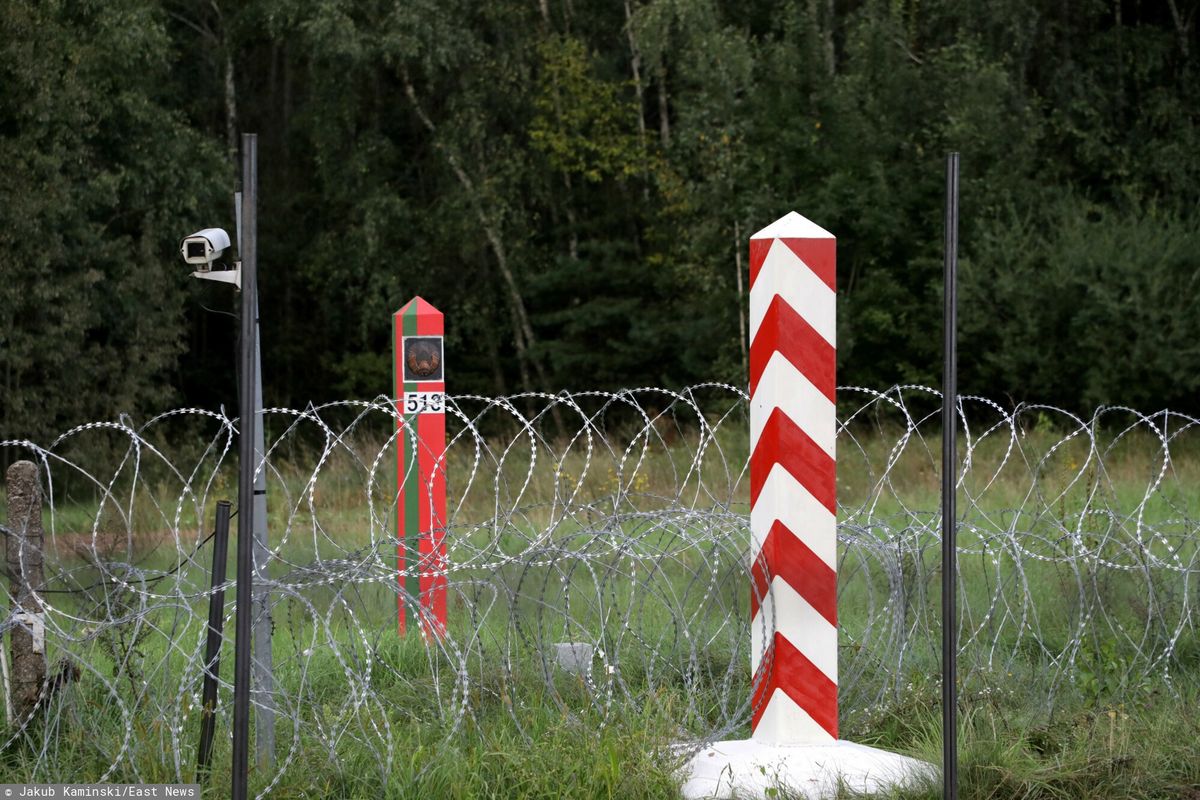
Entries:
{"x":747,"y":768}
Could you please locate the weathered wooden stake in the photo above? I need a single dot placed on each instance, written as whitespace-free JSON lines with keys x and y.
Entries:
{"x":24,"y":556}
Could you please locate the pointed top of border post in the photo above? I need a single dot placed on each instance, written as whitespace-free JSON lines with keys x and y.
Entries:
{"x":808,"y":241}
{"x":420,"y":306}
{"x":793,"y":226}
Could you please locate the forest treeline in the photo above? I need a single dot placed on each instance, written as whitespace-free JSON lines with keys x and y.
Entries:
{"x":573,"y":183}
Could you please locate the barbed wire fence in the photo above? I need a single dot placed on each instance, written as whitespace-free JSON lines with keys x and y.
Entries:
{"x":598,"y":567}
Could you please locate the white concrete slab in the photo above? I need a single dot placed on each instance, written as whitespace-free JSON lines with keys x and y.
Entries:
{"x":747,"y":769}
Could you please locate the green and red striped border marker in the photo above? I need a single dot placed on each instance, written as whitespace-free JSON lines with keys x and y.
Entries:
{"x":420,"y":385}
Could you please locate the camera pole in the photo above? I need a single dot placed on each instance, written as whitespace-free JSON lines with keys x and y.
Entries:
{"x":949,"y":486}
{"x":246,"y":463}
{"x":263,"y":666}
{"x":263,"y":661}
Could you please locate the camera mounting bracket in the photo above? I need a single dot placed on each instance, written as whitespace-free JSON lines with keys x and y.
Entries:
{"x":233,"y":276}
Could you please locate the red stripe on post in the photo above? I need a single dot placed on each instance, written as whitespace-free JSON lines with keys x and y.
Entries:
{"x":799,"y":678}
{"x":401,"y":464}
{"x":783,"y":442}
{"x":786,"y":332}
{"x":758,"y":254}
{"x":820,"y":255}
{"x":785,"y":555}
{"x":432,"y":544}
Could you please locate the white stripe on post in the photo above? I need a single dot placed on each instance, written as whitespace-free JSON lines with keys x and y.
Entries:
{"x":800,"y":288}
{"x":783,"y":386}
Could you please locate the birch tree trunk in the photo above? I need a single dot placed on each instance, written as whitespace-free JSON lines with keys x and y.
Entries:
{"x":523,"y":337}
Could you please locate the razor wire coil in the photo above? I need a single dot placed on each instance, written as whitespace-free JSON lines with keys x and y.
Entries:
{"x":598,"y":560}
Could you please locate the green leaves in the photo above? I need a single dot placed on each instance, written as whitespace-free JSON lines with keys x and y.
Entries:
{"x":572,"y":184}
{"x":1086,"y":305}
{"x":100,"y":181}
{"x":584,"y":125}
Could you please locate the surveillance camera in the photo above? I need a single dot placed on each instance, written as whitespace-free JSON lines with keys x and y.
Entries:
{"x":204,"y":247}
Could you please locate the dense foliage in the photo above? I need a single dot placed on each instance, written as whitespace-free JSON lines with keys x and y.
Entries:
{"x":573,"y":183}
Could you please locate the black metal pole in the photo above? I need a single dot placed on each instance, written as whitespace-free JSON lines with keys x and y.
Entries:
{"x":212,"y":647}
{"x":949,"y":475}
{"x":245,"y":544}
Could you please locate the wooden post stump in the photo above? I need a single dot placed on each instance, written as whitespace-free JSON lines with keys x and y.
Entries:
{"x":24,"y":556}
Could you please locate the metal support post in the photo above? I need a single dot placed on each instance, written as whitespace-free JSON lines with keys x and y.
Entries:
{"x":949,"y":485}
{"x":246,"y":440}
{"x":212,"y":645}
{"x":264,"y":675}
{"x":263,"y":663}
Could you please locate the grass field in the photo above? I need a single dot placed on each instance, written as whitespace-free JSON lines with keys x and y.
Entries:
{"x":1067,"y":692}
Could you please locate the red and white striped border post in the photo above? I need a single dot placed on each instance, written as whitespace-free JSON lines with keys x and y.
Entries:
{"x":793,"y":534}
{"x":420,"y":384}
{"x":793,"y":489}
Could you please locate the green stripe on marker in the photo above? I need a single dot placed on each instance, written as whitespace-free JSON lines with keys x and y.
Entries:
{"x":413,"y":496}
